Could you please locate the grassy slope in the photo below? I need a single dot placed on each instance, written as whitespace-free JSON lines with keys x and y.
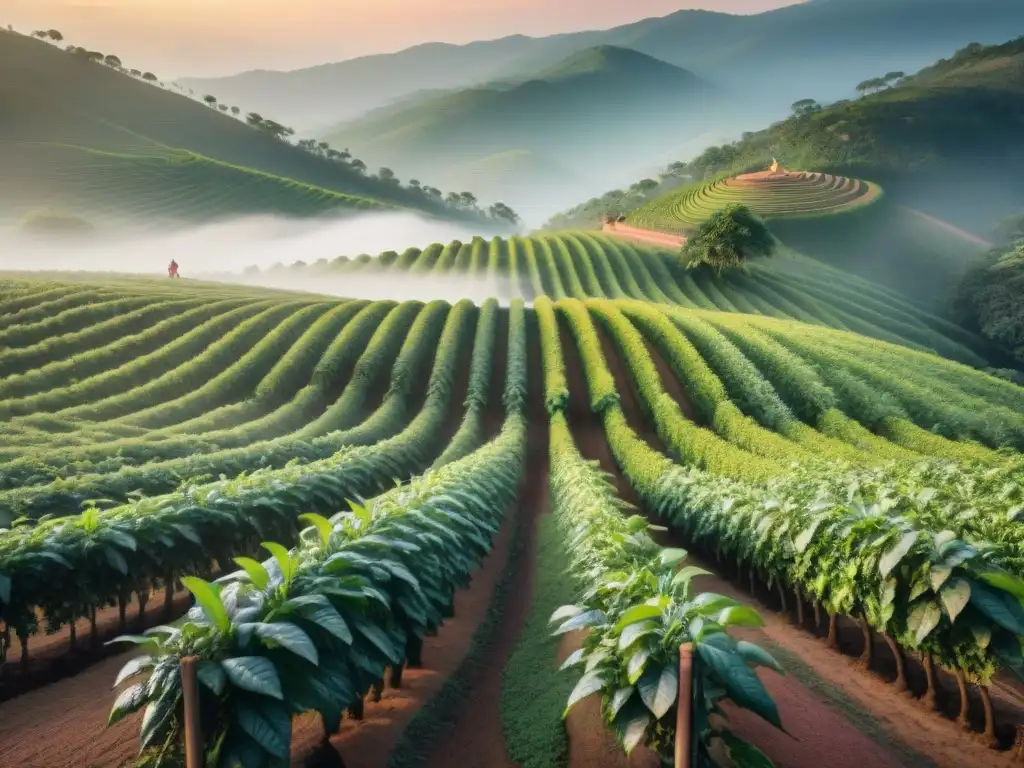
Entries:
{"x":944,"y":141}
{"x":78,"y":134}
{"x":570,"y":112}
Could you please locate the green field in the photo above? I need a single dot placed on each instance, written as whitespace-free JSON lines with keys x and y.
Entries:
{"x":84,"y":139}
{"x":797,"y":195}
{"x":756,"y":414}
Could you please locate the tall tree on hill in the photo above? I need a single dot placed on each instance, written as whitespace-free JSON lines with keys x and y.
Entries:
{"x":805,"y":107}
{"x":235,"y":111}
{"x":468,"y":199}
{"x":358,"y":165}
{"x":112,"y":61}
{"x":149,"y":77}
{"x":386,"y":174}
{"x":728,"y":238}
{"x":210,"y":100}
{"x":55,"y":35}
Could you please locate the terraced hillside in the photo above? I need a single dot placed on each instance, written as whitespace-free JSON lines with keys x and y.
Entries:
{"x":784,"y":195}
{"x":194,"y":421}
{"x":87,"y":139}
{"x":585,"y":265}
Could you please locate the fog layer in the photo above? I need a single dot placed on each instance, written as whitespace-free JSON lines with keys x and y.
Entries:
{"x":227,"y":246}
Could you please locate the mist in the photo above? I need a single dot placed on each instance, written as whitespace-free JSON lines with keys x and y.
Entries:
{"x":374,"y":283}
{"x":227,"y":246}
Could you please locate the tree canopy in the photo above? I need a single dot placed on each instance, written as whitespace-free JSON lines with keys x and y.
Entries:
{"x":728,"y":238}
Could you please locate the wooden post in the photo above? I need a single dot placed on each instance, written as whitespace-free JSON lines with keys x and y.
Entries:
{"x":193,"y":731}
{"x":684,"y":719}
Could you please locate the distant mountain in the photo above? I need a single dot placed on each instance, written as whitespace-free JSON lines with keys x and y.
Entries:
{"x":580,"y":112}
{"x":86,"y":138}
{"x":816,"y":49}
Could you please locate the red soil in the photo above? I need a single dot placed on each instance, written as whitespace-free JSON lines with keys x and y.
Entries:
{"x":367,"y":743}
{"x":51,"y":657}
{"x":476,"y":739}
{"x":952,"y":229}
{"x":645,"y":235}
{"x":817,"y":728}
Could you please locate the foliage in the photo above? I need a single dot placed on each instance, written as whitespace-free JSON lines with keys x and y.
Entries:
{"x":990,"y":298}
{"x":728,"y":239}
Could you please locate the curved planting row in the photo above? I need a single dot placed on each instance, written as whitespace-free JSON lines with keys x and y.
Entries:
{"x":584,"y":265}
{"x":925,"y":553}
{"x":781,"y":195}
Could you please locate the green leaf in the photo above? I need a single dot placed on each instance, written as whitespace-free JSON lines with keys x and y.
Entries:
{"x":128,"y":702}
{"x":685,"y":575}
{"x":671,"y":557}
{"x":634,"y":632}
{"x":116,"y":560}
{"x":211,"y":675}
{"x":268,"y":726}
{"x":564,"y":613}
{"x":739,"y":616}
{"x":892,"y":558}
{"x":636,"y":664}
{"x":923,"y":618}
{"x":955,"y":596}
{"x":619,"y":699}
{"x":257,"y":573}
{"x":755,"y":654}
{"x":288,"y":636}
{"x":208,"y":597}
{"x":939,"y":574}
{"x":1004,"y":581}
{"x":637,"y":613}
{"x":589,"y":684}
{"x":739,"y":680}
{"x":284,"y":560}
{"x":588,"y":619}
{"x":659,"y":688}
{"x":634,"y":730}
{"x":134,"y":667}
{"x":330,"y":620}
{"x":321,"y":523}
{"x":255,"y":674}
{"x":744,"y":754}
{"x":1002,"y":608}
{"x":572,"y":660}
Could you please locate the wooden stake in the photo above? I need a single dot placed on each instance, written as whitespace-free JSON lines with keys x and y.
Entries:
{"x":684,"y":718}
{"x":193,"y":731}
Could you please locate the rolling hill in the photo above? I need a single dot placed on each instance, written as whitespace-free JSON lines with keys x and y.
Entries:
{"x":87,"y":139}
{"x":943,"y":143}
{"x":763,"y":56}
{"x":576,"y":113}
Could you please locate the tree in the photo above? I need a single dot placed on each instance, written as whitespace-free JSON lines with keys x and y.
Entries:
{"x":501,"y":211}
{"x":255,"y":119}
{"x":414,"y":184}
{"x":40,"y":33}
{"x":149,"y":76}
{"x":222,"y":107}
{"x":323,"y":146}
{"x":358,"y":165}
{"x":210,"y":100}
{"x":112,"y":61}
{"x":453,"y":199}
{"x":874,"y":84}
{"x":235,"y":111}
{"x":805,"y":107}
{"x":468,"y":199}
{"x":643,"y":186}
{"x":728,"y":238}
{"x":387,"y":175}
{"x":54,"y":35}
{"x":892,"y":77}
{"x":94,"y":56}
{"x":135,"y":73}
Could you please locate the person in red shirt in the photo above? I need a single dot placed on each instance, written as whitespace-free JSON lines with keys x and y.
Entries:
{"x":172,"y":269}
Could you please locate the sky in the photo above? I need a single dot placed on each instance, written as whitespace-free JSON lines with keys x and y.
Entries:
{"x":179,"y":38}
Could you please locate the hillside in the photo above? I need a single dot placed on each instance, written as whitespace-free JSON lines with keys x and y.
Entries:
{"x":86,"y":138}
{"x":575,"y":113}
{"x":761,"y":56}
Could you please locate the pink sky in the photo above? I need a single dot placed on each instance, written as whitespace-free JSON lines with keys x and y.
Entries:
{"x":177,"y":38}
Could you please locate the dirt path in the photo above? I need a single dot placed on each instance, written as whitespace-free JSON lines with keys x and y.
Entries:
{"x":476,"y":740}
{"x":645,"y":235}
{"x":821,"y":733}
{"x":963,"y":234}
{"x":367,"y":743}
{"x":51,"y":657}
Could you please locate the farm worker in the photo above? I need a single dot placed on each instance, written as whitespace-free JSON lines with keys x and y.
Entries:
{"x":172,"y":269}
